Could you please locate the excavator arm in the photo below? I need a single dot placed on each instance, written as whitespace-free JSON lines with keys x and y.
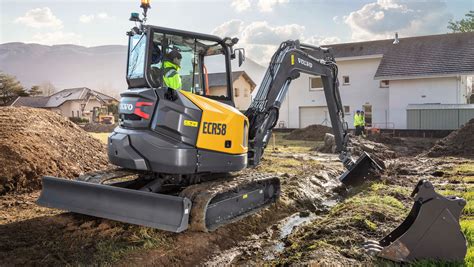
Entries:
{"x":290,"y":60}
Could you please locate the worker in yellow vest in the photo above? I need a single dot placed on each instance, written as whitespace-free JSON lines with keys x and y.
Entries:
{"x":171,"y":65}
{"x":358,"y":121}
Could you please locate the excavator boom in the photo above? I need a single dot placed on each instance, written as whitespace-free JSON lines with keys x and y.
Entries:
{"x":290,"y":60}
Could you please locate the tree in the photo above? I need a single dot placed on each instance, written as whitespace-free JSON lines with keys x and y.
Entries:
{"x":10,"y":89}
{"x":47,"y":88}
{"x":35,"y":91}
{"x":464,"y":25}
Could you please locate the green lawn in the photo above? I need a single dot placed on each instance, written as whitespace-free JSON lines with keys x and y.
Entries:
{"x":101,"y":136}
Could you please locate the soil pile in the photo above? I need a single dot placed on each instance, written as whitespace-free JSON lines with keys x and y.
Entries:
{"x":37,"y":142}
{"x":357,"y":145}
{"x":99,"y":128}
{"x":457,"y":143}
{"x":311,"y":133}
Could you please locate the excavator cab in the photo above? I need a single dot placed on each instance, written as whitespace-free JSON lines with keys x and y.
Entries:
{"x":201,"y":54}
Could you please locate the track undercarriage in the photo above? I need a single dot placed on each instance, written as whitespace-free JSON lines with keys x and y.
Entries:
{"x":201,"y":202}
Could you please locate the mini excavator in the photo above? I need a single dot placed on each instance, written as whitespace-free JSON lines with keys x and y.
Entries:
{"x":179,"y":151}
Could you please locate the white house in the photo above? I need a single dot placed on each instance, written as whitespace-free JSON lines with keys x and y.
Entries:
{"x":75,"y":102}
{"x":383,"y":78}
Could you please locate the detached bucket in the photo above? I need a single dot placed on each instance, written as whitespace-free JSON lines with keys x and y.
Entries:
{"x":430,"y":232}
{"x":360,"y":171}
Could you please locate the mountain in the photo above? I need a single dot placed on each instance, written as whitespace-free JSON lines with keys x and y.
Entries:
{"x":101,"y":68}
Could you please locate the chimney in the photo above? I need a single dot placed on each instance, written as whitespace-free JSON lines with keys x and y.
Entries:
{"x":396,"y":41}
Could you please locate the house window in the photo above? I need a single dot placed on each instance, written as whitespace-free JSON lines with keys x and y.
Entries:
{"x":346,"y":80}
{"x":384,"y":83}
{"x":236,"y":92}
{"x":347,"y":110}
{"x":72,"y":113}
{"x":246,"y":92}
{"x":315,"y":84}
{"x":78,"y":114}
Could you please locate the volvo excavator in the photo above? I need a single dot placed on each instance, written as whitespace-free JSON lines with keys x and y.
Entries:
{"x":180,"y":151}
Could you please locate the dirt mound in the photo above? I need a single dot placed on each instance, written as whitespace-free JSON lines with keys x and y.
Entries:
{"x":385,"y":139}
{"x":99,"y":128}
{"x":37,"y":142}
{"x":457,"y":143}
{"x":311,"y":133}
{"x":357,"y":145}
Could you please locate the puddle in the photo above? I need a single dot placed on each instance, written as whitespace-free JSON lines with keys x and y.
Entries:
{"x":329,"y":203}
{"x":286,"y":228}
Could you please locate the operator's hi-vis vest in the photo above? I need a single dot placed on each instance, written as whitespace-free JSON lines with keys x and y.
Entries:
{"x":171,"y":77}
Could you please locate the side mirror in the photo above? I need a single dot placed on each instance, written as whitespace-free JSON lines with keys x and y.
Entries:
{"x":241,"y":55}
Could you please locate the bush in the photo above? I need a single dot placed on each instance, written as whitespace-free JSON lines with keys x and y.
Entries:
{"x":78,"y":120}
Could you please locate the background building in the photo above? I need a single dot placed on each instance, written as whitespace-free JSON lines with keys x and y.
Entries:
{"x":75,"y":102}
{"x":242,"y":87}
{"x":384,"y":78}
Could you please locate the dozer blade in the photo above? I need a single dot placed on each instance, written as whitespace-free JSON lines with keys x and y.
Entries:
{"x":165,"y":212}
{"x":360,"y":171}
{"x":219,"y":203}
{"x":430,"y":232}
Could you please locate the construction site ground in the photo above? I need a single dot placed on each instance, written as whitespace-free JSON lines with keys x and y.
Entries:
{"x":315,"y":221}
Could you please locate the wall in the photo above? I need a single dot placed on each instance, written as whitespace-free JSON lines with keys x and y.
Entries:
{"x":242,"y":102}
{"x":218,"y":91}
{"x":446,"y":90}
{"x":69,"y":106}
{"x":363,"y":89}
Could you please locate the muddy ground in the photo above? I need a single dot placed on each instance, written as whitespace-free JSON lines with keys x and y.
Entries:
{"x":315,"y":221}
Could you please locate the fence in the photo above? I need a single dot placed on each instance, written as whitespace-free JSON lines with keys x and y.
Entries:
{"x":438,"y":117}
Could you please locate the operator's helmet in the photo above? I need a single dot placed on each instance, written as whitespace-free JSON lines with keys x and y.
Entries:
{"x":358,"y":111}
{"x":171,"y":55}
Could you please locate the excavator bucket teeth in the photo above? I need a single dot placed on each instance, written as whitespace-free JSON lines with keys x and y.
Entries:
{"x":363,"y":169}
{"x":431,"y":230}
{"x":165,"y":212}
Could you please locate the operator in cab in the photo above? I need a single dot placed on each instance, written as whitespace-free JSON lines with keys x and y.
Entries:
{"x":171,"y":66}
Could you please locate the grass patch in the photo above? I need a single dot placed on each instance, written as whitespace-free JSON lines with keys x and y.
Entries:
{"x":140,"y":238}
{"x":103,"y":137}
{"x":467,"y":226}
{"x":279,"y":143}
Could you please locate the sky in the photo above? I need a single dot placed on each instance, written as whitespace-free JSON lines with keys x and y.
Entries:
{"x":259,"y":24}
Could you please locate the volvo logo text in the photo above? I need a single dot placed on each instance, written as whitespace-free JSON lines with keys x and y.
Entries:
{"x":124,"y":106}
{"x":304,"y":62}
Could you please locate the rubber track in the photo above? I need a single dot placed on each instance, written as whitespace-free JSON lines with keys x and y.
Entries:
{"x":202,"y":194}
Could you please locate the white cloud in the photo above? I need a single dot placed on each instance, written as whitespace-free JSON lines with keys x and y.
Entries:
{"x":57,"y":37}
{"x":86,"y":18}
{"x":260,"y":32}
{"x":99,"y":16}
{"x":267,"y":5}
{"x":381,"y":19}
{"x":321,"y":40}
{"x":230,"y":28}
{"x":40,"y":18}
{"x":240,"y":5}
{"x":104,"y":15}
{"x":260,"y":39}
